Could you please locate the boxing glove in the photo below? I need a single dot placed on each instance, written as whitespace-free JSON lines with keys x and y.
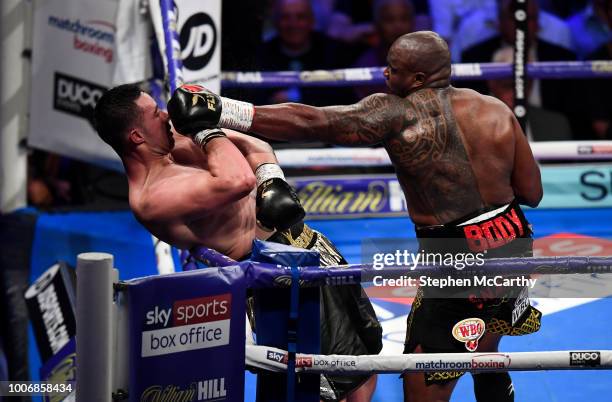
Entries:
{"x":193,"y":108}
{"x":277,"y":205}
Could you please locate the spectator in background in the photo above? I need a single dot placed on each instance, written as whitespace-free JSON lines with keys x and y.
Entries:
{"x":422,"y":15}
{"x":351,"y":22}
{"x":297,"y":47}
{"x":487,"y":23}
{"x":562,"y":8}
{"x":447,"y":15}
{"x":54,"y":181}
{"x":392,"y":19}
{"x":590,"y":28}
{"x":556,"y":95}
{"x":542,"y":124}
{"x":240,"y":38}
{"x":600,"y":90}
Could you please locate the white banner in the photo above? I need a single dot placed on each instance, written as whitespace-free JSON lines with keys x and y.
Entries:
{"x":199,"y":27}
{"x":72,"y":62}
{"x":184,"y":338}
{"x":273,"y":359}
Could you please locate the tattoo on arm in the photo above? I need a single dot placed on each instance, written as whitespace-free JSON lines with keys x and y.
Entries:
{"x":368,"y":122}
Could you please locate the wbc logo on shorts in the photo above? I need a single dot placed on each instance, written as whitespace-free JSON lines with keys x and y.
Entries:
{"x":469,"y":331}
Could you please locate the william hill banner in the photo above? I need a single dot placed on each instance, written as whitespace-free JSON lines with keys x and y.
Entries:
{"x":187,"y":334}
{"x":331,"y":197}
{"x":351,"y":196}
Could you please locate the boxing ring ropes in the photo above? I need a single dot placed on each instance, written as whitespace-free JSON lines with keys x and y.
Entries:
{"x":101,"y":323}
{"x":102,"y":346}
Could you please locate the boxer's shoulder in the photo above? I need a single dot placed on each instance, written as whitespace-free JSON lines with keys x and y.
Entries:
{"x":474,"y":97}
{"x":478,"y":107}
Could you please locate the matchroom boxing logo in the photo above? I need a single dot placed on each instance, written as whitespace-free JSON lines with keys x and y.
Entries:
{"x":75,"y":96}
{"x":188,"y":325}
{"x":198,"y":38}
{"x":93,"y":37}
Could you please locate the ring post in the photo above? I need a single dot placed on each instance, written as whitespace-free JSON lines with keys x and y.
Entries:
{"x":287,"y":324}
{"x":94,"y":334}
{"x":172,"y":49}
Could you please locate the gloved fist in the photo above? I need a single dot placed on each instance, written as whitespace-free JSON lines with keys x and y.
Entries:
{"x":193,"y":108}
{"x":278,"y":206}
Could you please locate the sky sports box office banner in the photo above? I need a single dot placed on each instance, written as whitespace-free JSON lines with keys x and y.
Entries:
{"x":187,"y":342}
{"x":83,"y":47}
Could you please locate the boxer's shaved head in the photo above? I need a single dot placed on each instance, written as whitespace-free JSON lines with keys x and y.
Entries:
{"x":425,"y":52}
{"x":115,"y":113}
{"x":421,"y":59}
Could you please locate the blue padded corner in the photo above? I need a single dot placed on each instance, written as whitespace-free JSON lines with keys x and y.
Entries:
{"x":289,"y":256}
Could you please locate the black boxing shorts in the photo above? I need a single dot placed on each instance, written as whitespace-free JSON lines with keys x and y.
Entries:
{"x":348,"y":322}
{"x":453,"y":320}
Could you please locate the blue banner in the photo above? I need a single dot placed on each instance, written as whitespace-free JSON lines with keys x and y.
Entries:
{"x":187,"y":335}
{"x":577,"y":186}
{"x":351,"y":196}
{"x":61,"y":368}
{"x":330,"y":197}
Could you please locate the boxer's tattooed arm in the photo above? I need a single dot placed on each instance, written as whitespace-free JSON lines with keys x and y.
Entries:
{"x":368,"y":122}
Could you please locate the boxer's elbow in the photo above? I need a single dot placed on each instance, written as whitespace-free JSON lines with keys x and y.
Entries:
{"x":235,"y":187}
{"x":534,"y":201}
{"x":539,"y":196}
{"x":532,"y":196}
{"x":245,"y":184}
{"x":537,"y":192}
{"x":527,"y":186}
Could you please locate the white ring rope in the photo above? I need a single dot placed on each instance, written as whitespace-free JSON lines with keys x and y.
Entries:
{"x":273,"y":359}
{"x":548,"y":150}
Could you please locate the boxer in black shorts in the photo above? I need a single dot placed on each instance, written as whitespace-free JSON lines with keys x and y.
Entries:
{"x":455,"y":152}
{"x":499,"y":233}
{"x":348,"y":322}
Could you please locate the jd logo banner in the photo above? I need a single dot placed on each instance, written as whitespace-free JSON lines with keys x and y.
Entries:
{"x":198,"y":39}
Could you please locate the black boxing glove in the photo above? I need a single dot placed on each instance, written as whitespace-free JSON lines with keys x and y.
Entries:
{"x":193,"y":108}
{"x":277,"y":205}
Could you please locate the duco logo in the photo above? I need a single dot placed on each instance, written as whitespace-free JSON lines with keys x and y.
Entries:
{"x":78,"y":93}
{"x":198,"y":41}
{"x":585,"y":358}
{"x":76,"y":96}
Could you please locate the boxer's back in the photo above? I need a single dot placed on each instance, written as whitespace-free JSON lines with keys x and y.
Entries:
{"x":456,"y":154}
